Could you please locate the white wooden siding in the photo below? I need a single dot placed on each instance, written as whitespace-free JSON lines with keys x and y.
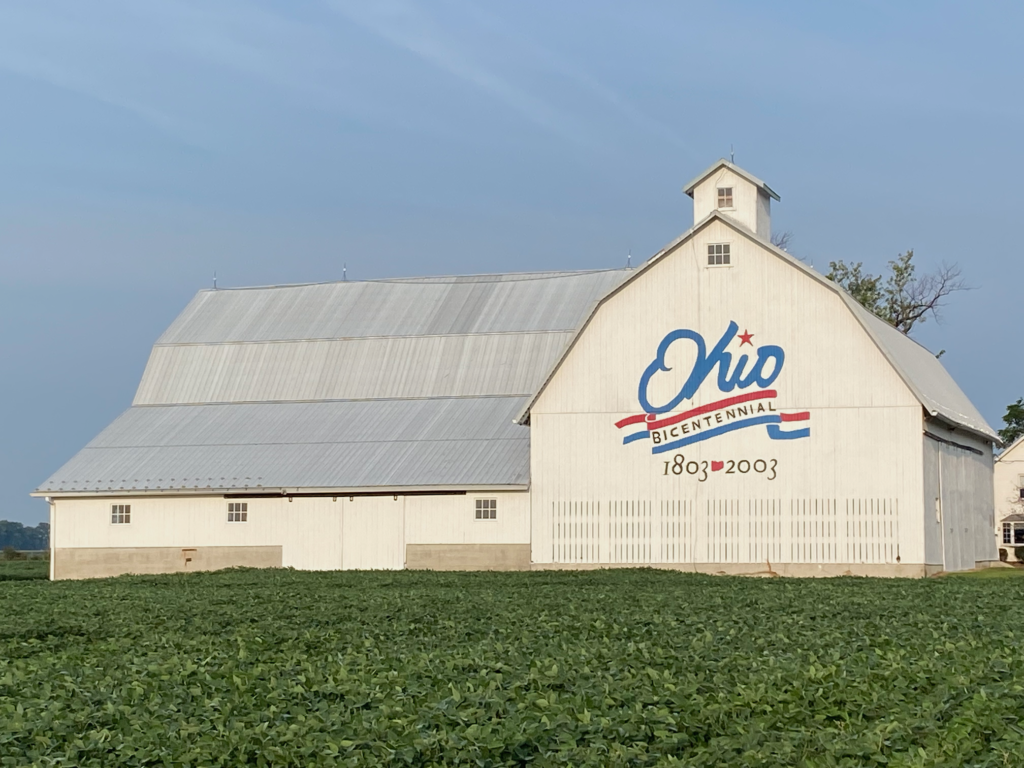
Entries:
{"x":452,"y":519}
{"x":315,"y":533}
{"x":850,"y":493}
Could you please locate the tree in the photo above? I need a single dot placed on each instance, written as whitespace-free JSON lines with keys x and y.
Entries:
{"x":781,"y":240}
{"x":1014,"y":421}
{"x":901,"y":298}
{"x":21,"y":537}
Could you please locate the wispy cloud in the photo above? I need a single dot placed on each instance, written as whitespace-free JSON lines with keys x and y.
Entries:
{"x":406,"y":27}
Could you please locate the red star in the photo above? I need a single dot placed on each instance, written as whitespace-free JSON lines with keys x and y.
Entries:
{"x":745,"y":338}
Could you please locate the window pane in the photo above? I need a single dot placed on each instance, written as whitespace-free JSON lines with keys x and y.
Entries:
{"x":1018,"y":534}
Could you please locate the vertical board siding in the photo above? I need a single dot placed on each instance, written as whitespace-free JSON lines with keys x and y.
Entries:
{"x":825,"y":531}
{"x":677,"y":531}
{"x":576,"y":536}
{"x":764,"y":526}
{"x":850,"y":492}
{"x":630,"y":531}
{"x":723,"y":531}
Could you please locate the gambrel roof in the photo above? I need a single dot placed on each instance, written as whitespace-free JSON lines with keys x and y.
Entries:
{"x":922,"y":372}
{"x":413,"y":384}
{"x":385,"y":384}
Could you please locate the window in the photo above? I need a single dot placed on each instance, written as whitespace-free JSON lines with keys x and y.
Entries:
{"x":1020,"y":484}
{"x":1007,"y":533}
{"x":718,"y":254}
{"x":1018,"y":533}
{"x":238,"y":512}
{"x":486,"y":509}
{"x":120,"y":514}
{"x":725,"y":197}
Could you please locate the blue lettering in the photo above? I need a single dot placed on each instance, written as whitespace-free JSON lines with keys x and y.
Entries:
{"x":729,"y":377}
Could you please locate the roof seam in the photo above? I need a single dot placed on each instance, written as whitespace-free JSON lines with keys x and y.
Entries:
{"x":338,"y":400}
{"x":499,"y":277}
{"x":241,"y":342}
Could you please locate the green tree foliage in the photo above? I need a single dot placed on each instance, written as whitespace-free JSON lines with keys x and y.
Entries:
{"x":1014,"y":421}
{"x":901,"y":298}
{"x":21,"y":537}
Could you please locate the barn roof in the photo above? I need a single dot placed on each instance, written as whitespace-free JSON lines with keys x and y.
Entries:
{"x":723,"y":163}
{"x":389,"y":384}
{"x":926,"y":377}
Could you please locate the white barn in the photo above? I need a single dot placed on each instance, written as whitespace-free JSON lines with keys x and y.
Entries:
{"x":722,"y":408}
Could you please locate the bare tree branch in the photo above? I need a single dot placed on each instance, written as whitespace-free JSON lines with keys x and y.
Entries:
{"x":781,"y":240}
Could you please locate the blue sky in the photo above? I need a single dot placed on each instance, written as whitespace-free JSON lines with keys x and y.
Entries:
{"x":144,"y":146}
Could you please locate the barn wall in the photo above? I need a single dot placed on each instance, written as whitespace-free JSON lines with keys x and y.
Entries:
{"x":308,"y":530}
{"x":452,"y":519}
{"x":850,"y":493}
{"x":959,"y":506}
{"x":360,"y":532}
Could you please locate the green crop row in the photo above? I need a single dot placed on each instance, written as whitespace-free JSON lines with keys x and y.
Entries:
{"x":613,"y":668}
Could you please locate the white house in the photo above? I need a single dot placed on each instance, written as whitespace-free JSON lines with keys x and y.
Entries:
{"x":722,"y":408}
{"x":1009,"y":498}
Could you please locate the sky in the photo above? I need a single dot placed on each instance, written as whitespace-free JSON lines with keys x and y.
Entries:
{"x":145,"y":147}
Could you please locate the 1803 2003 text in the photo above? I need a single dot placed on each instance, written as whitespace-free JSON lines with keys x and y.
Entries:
{"x":701,"y":470}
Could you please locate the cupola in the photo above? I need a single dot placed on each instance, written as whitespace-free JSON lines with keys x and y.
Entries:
{"x":737,"y":194}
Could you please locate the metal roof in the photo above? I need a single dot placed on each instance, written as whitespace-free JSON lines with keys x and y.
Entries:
{"x":432,"y":443}
{"x":380,"y":384}
{"x":350,"y":369}
{"x":924,"y":374}
{"x":383,"y":384}
{"x":723,"y":163}
{"x":432,"y":306}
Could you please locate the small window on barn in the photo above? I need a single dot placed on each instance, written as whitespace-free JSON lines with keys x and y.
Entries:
{"x":486,"y":509}
{"x":238,"y":512}
{"x":120,"y":514}
{"x":718,"y":255}
{"x":1007,"y":533}
{"x":725,"y":197}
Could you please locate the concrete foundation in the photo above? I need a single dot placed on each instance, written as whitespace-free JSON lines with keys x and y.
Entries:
{"x":801,"y":570}
{"x":468,"y":557}
{"x":93,"y":563}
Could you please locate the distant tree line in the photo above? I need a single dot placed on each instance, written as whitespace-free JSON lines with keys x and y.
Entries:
{"x":21,"y":537}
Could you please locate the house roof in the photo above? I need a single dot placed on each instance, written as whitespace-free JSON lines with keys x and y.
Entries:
{"x":408,"y":383}
{"x":926,"y":377}
{"x":1011,"y":449}
{"x":723,"y":163}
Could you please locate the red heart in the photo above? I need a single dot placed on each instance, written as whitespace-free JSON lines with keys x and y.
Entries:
{"x":717,"y":465}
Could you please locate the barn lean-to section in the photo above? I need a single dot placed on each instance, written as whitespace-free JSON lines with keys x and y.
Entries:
{"x":721,"y":408}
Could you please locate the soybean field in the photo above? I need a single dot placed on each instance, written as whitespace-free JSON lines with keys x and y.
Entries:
{"x":609,"y":668}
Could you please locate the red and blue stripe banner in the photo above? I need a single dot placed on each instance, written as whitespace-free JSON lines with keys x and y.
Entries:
{"x":670,"y":432}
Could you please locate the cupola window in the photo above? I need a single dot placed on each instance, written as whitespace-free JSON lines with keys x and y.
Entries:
{"x":725,"y":197}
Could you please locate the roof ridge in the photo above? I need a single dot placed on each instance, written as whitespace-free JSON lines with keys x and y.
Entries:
{"x":502,"y":277}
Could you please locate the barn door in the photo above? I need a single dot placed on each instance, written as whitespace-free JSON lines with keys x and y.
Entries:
{"x":373,"y":533}
{"x":955,"y":507}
